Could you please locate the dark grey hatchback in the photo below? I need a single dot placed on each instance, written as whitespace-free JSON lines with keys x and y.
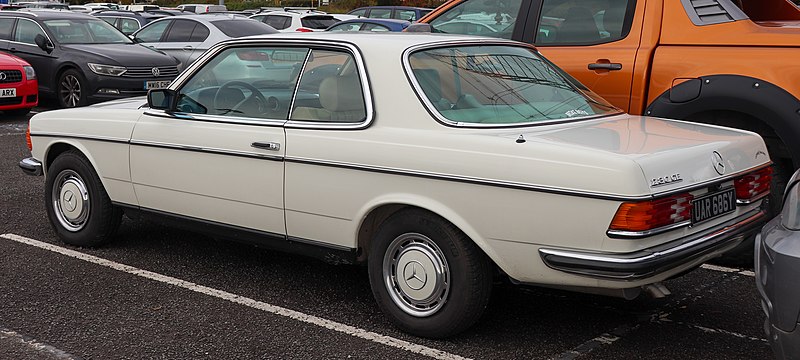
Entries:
{"x":81,"y":59}
{"x":777,"y":266}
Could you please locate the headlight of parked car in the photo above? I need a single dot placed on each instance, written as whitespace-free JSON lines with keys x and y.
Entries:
{"x":111,"y":70}
{"x":30,"y":74}
{"x":791,"y":208}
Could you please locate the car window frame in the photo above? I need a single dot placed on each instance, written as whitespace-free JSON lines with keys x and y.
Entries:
{"x":16,"y":25}
{"x":353,"y":50}
{"x":11,"y":28}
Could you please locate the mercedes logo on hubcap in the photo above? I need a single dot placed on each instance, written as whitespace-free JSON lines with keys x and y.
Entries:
{"x":156,"y":72}
{"x":415,"y":276}
{"x":69,"y":200}
{"x":716,"y":161}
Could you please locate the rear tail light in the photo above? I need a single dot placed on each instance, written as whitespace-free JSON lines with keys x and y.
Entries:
{"x":753,"y":186}
{"x":644,"y":216}
{"x":304,"y":30}
{"x":28,"y":138}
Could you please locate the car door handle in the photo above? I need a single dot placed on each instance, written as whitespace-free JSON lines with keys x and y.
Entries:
{"x":605,"y":66}
{"x":266,"y":145}
{"x":187,"y":48}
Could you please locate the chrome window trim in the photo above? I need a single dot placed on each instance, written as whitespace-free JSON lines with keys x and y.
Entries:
{"x":312,"y":44}
{"x":81,"y":137}
{"x":483,"y":42}
{"x":237,"y":120}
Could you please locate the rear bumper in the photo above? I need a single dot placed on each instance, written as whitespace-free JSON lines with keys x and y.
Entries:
{"x":656,"y":260}
{"x":31,"y":166}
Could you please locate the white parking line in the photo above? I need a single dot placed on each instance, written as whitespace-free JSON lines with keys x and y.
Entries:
{"x":34,"y":345}
{"x":728,"y":270}
{"x":277,"y":310}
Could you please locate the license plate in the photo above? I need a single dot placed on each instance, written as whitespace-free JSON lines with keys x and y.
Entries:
{"x":8,"y":92}
{"x":713,"y":205}
{"x":156,"y":84}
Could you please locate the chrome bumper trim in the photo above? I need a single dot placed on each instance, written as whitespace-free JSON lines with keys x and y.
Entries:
{"x":31,"y":166}
{"x":655,"y":260}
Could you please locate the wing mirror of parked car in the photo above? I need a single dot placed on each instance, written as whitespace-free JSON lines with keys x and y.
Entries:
{"x":163,"y":99}
{"x":43,"y":43}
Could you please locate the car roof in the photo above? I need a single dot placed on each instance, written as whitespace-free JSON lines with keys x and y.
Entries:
{"x":377,"y":20}
{"x":47,"y":14}
{"x":399,"y":7}
{"x":377,"y":40}
{"x":295,"y":14}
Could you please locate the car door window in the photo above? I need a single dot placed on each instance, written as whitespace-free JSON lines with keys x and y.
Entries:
{"x":128,"y":26}
{"x":153,"y":32}
{"x":6,"y":25}
{"x":110,"y":20}
{"x":251,"y":82}
{"x":479,"y":17}
{"x":27,"y":31}
{"x":409,"y":15}
{"x":181,"y":31}
{"x":381,"y":13}
{"x":583,"y":22}
{"x":374,"y":27}
{"x":346,"y":27}
{"x":278,"y":22}
{"x":330,"y":90}
{"x":361,"y":12}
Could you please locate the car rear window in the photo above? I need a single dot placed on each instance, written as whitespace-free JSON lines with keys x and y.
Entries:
{"x":318,"y":22}
{"x":243,"y":27}
{"x":500,"y":85}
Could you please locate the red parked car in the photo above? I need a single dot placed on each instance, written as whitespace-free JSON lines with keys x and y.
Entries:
{"x":19,"y":89}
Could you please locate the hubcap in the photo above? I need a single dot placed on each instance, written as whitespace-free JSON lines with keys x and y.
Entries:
{"x":416,"y":274}
{"x":70,"y":200}
{"x":70,"y":91}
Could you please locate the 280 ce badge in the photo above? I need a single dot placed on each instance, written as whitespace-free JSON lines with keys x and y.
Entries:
{"x":665,"y":180}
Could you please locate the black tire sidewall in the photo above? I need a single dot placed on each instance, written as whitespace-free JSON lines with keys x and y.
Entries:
{"x":84,"y":87}
{"x":101,"y":212}
{"x":465,"y":300}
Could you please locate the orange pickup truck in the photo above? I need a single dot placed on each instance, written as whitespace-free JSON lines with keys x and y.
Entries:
{"x":728,"y":62}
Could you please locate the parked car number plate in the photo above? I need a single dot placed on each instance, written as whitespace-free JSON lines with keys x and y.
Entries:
{"x":713,"y":205}
{"x":12,"y":92}
{"x":156,"y":84}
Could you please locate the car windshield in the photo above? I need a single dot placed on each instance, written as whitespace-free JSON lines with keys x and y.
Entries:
{"x":243,"y":27}
{"x":85,"y":31}
{"x":500,"y":85}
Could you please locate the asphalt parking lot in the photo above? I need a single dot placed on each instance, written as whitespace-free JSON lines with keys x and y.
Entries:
{"x":159,"y":292}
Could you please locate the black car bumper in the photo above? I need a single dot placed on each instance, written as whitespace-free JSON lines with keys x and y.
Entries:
{"x":105,"y":88}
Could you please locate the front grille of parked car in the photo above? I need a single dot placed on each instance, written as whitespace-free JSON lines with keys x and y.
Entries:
{"x":10,"y":76}
{"x":11,"y":101}
{"x":147,"y":72}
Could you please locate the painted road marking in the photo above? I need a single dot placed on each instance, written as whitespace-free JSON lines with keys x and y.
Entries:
{"x":728,"y":270}
{"x":277,"y":310}
{"x":37,"y":346}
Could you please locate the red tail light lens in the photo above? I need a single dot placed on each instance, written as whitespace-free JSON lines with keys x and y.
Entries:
{"x":652,"y":214}
{"x":304,"y":30}
{"x":753,"y":185}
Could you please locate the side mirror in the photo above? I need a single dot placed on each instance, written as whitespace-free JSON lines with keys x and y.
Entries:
{"x":43,"y":43}
{"x":162,"y":99}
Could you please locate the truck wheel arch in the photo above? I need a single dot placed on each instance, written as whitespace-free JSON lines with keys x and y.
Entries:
{"x":774,"y":107}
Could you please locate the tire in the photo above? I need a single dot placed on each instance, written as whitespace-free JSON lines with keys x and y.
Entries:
{"x":424,"y":247}
{"x":77,"y":204}
{"x":72,"y":90}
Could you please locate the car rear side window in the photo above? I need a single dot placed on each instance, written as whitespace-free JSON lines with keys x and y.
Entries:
{"x":181,"y":31}
{"x":243,"y":27}
{"x":200,"y":33}
{"x":584,"y":22}
{"x":317,"y":22}
{"x":479,"y":17}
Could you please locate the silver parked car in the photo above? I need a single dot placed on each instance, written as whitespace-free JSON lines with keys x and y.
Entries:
{"x":777,"y":268}
{"x":187,"y":37}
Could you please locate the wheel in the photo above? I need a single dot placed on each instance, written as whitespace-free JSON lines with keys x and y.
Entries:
{"x":18,"y":112}
{"x":77,"y":204}
{"x":428,"y":276}
{"x":230,"y":102}
{"x":72,"y":89}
